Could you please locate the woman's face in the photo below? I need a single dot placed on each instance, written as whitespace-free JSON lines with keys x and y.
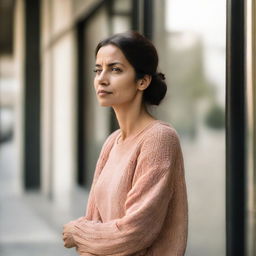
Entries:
{"x":114,"y":82}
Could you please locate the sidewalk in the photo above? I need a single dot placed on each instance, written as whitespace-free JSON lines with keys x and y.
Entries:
{"x":31,"y":224}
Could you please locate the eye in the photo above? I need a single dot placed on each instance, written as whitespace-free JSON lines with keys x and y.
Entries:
{"x":117,"y":70}
{"x":97,"y":71}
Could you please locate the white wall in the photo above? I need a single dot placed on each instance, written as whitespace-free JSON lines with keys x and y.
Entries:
{"x":64,"y":116}
{"x":19,"y":77}
{"x":58,"y":110}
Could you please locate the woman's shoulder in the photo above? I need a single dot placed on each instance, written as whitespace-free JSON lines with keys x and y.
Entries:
{"x":160,"y":135}
{"x":111,"y":138}
{"x":108,"y":144}
{"x":159,"y":131}
{"x":160,"y":138}
{"x":162,"y":130}
{"x":113,"y":135}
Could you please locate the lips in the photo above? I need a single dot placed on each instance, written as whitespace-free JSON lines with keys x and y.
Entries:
{"x":103,"y":92}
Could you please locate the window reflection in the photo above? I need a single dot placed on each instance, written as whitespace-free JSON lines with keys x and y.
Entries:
{"x":190,"y":37}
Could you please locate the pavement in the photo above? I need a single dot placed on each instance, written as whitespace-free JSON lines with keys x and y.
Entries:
{"x":30,"y":223}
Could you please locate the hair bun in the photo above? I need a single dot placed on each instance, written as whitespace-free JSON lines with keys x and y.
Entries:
{"x":161,"y":75}
{"x":156,"y":91}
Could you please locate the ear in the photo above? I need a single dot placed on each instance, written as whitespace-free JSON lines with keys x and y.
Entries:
{"x":144,"y":82}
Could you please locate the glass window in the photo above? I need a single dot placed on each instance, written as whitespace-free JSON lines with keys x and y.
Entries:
{"x":190,"y":38}
{"x":95,"y":116}
{"x":122,"y":5}
{"x":250,"y":127}
{"x":120,"y":16}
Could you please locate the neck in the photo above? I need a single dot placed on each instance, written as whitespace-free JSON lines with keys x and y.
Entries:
{"x":132,"y":118}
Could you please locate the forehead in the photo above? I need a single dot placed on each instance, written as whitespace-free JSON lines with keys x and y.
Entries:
{"x":110,"y":53}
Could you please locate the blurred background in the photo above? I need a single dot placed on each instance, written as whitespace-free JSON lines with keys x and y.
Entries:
{"x":52,"y":129}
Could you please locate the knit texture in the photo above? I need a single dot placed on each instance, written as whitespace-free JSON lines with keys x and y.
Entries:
{"x":138,"y":201}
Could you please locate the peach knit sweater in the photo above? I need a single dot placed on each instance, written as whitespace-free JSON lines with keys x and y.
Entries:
{"x":138,"y":202}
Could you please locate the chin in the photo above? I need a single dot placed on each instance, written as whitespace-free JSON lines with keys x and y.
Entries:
{"x":104,"y":104}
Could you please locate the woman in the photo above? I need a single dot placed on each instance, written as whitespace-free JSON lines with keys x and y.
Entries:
{"x":138,"y":202}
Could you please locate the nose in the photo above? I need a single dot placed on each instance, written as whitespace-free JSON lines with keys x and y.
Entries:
{"x":103,"y":78}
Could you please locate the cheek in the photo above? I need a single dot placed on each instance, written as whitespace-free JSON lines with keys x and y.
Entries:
{"x":95,"y":84}
{"x":126,"y":84}
{"x":127,"y":91}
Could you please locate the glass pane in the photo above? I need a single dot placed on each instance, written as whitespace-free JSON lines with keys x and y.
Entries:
{"x":122,"y":5}
{"x":120,"y":24}
{"x":190,"y":37}
{"x":95,"y":116}
{"x":251,"y":127}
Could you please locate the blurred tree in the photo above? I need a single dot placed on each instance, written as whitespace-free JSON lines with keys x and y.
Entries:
{"x":215,"y":118}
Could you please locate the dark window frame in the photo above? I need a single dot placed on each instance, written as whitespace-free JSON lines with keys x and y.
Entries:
{"x":32,"y":96}
{"x":235,"y":130}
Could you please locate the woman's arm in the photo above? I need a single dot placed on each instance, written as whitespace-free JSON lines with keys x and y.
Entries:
{"x":146,"y":204}
{"x":91,"y":209}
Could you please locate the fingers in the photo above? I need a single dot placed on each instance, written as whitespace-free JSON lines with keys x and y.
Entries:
{"x":67,"y":235}
{"x":68,"y":243}
{"x":67,"y":239}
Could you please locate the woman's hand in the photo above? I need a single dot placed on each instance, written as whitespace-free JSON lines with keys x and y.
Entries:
{"x":67,"y":236}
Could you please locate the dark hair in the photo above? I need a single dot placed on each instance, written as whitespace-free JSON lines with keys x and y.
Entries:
{"x":142,"y":55}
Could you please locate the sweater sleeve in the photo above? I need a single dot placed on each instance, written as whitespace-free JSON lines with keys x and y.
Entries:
{"x":146,"y":203}
{"x":91,"y":209}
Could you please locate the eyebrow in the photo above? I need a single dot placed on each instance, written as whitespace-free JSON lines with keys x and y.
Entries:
{"x":110,"y":64}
